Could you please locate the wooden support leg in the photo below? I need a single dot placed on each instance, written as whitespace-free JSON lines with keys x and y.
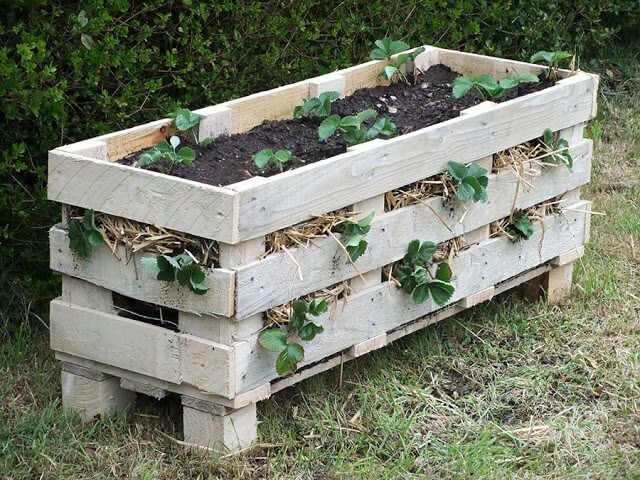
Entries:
{"x":217,"y":427}
{"x":557,"y":283}
{"x":92,"y":393}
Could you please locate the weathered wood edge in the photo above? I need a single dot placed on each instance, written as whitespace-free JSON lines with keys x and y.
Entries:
{"x":132,"y":279}
{"x":385,"y":307}
{"x":142,"y":195}
{"x":376,"y":167}
{"x":274,"y":279}
{"x":147,"y":349}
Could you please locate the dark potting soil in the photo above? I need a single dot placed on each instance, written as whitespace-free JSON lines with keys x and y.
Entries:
{"x":426,"y":101}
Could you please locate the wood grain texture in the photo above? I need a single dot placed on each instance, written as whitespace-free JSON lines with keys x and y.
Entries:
{"x":122,"y":143}
{"x":384,"y":308}
{"x":143,"y":195}
{"x":134,"y":280}
{"x":376,"y":167}
{"x":92,"y":398}
{"x":274,"y":280}
{"x":139,"y":347}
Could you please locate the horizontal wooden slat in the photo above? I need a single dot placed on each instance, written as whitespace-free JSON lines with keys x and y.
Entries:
{"x":135,"y":281}
{"x":379,"y":166}
{"x":143,"y":195}
{"x":139,"y":347}
{"x":385,"y":307}
{"x":274,"y":280}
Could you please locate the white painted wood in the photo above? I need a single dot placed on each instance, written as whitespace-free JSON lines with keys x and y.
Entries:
{"x":375,"y":168}
{"x":139,"y":347}
{"x":428,"y":58}
{"x":92,"y":398}
{"x":327,"y":83}
{"x":217,"y":122}
{"x":238,"y":401}
{"x":81,"y":371}
{"x":133,"y":280}
{"x":86,"y":294}
{"x":573,"y":134}
{"x":89,"y":148}
{"x":274,"y":280}
{"x":142,"y":195}
{"x":144,"y":388}
{"x":381,"y":309}
{"x":477,"y":235}
{"x":478,"y":297}
{"x":557,"y":283}
{"x":221,"y":433}
{"x":367,"y":346}
{"x":219,"y":329}
{"x":473,"y":64}
{"x":568,"y":257}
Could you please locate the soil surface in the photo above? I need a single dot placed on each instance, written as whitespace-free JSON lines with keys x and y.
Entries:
{"x":427,"y":100}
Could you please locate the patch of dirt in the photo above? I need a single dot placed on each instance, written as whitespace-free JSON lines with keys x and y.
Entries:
{"x":427,"y":100}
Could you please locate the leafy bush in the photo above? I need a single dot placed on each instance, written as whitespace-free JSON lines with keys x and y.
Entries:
{"x":73,"y":70}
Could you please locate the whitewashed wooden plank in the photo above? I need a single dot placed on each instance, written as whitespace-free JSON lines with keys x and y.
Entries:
{"x":478,"y":297}
{"x":124,"y":142}
{"x":568,"y":257}
{"x":382,"y":309}
{"x":133,"y":280}
{"x":139,"y":347}
{"x":376,"y":167}
{"x":143,"y":195}
{"x":274,"y":280}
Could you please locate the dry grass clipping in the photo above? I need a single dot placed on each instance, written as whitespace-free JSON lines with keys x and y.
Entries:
{"x":141,"y":237}
{"x":281,"y":315}
{"x":304,"y":233}
{"x":441,"y":185}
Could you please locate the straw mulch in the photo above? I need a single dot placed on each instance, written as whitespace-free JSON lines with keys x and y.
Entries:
{"x":441,"y":185}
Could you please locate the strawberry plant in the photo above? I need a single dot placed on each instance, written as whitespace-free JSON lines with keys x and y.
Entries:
{"x":487,"y":86}
{"x":168,"y":152}
{"x":351,"y":127}
{"x":83,"y":236}
{"x":471,"y":181}
{"x":552,"y":60}
{"x":182,"y":268}
{"x":557,"y":150}
{"x":184,"y":120}
{"x":520,"y":227}
{"x":354,"y":232}
{"x":386,"y":48}
{"x":278,"y":159}
{"x":319,"y":106}
{"x":414,"y":273}
{"x":290,"y":353}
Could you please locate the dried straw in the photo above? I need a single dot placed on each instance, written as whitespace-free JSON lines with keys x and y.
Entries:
{"x":304,"y":233}
{"x":141,"y":237}
{"x":441,"y":185}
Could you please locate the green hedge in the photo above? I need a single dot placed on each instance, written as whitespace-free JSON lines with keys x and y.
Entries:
{"x":72,"y":70}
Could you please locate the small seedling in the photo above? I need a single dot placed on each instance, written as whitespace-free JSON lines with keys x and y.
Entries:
{"x":290,"y":353}
{"x":182,"y":268}
{"x":170,"y":152}
{"x":471,"y":181}
{"x":386,"y":49}
{"x":184,"y":120}
{"x":487,"y":86}
{"x":267,"y":157}
{"x":83,"y":236}
{"x":557,"y":150}
{"x":519,"y":228}
{"x":351,"y":127}
{"x":415,"y":275}
{"x":552,"y":60}
{"x":354,"y":232}
{"x":319,"y":106}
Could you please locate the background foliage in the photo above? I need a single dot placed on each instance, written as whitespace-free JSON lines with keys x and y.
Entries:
{"x":72,"y":70}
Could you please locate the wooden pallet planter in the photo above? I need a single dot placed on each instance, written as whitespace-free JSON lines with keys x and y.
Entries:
{"x":212,"y":358}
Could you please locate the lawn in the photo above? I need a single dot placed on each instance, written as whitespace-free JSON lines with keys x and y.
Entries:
{"x":510,"y":389}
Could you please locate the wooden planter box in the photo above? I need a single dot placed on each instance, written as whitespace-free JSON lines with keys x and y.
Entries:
{"x":214,"y":360}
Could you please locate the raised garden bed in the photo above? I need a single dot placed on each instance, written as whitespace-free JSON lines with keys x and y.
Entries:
{"x":213,"y":356}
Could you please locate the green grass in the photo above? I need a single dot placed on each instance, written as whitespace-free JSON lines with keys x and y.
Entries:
{"x":453,"y":401}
